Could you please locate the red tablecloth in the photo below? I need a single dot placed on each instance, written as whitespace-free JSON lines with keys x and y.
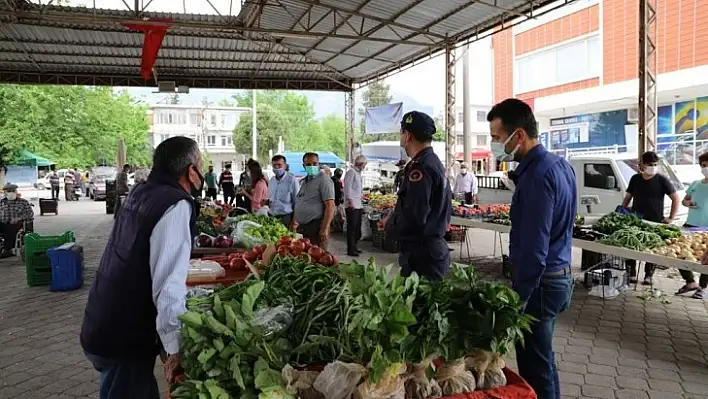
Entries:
{"x":516,"y":388}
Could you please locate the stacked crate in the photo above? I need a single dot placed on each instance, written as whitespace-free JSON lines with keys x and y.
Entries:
{"x":37,"y":264}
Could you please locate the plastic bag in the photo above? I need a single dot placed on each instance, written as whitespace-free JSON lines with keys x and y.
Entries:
{"x":243,"y":238}
{"x":299,"y":383}
{"x":418,"y":385}
{"x":204,"y":271}
{"x":391,"y":387}
{"x":273,"y":320}
{"x":339,"y":380}
{"x":488,"y":368}
{"x":454,"y":378}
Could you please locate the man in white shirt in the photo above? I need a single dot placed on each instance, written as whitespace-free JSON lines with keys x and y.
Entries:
{"x":140,"y":285}
{"x":466,"y":183}
{"x":352,"y":201}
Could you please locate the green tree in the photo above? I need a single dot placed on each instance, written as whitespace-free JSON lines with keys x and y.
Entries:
{"x":291,"y":116}
{"x":74,"y":126}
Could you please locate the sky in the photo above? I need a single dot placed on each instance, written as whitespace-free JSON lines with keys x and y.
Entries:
{"x":421,"y":87}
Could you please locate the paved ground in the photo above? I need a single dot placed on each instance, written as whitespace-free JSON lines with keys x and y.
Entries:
{"x":627,"y":347}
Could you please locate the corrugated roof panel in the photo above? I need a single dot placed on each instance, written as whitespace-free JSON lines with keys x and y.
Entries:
{"x":385,"y":8}
{"x":366,"y":68}
{"x":74,"y":40}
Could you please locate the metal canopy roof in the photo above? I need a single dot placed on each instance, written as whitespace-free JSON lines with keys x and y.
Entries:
{"x":271,"y":44}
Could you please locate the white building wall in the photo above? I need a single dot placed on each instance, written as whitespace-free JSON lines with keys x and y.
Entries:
{"x":211,"y":127}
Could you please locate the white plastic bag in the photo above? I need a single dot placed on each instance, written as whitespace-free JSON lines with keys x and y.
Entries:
{"x":392,"y":386}
{"x":339,"y":380}
{"x":204,"y":271}
{"x":242,"y":237}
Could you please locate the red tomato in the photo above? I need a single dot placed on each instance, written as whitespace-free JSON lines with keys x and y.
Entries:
{"x":298,"y":245}
{"x":305,"y":242}
{"x":327,"y":260}
{"x":283,"y":251}
{"x":238,"y":264}
{"x":250,"y":256}
{"x":285,"y":240}
{"x":316,"y":252}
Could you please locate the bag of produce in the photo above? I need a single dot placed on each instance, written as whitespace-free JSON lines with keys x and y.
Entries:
{"x":339,"y":380}
{"x":392,"y":386}
{"x":242,"y":237}
{"x":299,"y":383}
{"x":488,"y":367}
{"x":454,"y":378}
{"x":418,"y":385}
{"x":275,"y":319}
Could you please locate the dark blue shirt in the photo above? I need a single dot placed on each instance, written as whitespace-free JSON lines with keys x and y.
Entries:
{"x":542,"y":216}
{"x":424,"y":206}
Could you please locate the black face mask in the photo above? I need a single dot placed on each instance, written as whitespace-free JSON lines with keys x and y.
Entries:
{"x":201,"y":180}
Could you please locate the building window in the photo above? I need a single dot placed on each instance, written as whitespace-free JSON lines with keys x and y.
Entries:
{"x":572,"y":62}
{"x":460,"y":116}
{"x":211,"y":140}
{"x":481,"y":140}
{"x":213,"y":120}
{"x":224,"y":120}
{"x":164,"y":137}
{"x":481,"y":116}
{"x":596,"y":175}
{"x":226,"y":141}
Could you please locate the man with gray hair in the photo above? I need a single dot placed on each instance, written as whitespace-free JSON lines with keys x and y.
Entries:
{"x":352,"y":199}
{"x":140,"y":286}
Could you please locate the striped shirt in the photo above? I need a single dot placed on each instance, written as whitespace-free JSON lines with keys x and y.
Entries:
{"x":170,"y":249}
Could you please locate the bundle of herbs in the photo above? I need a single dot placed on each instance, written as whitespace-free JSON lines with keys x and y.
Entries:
{"x":372,"y":332}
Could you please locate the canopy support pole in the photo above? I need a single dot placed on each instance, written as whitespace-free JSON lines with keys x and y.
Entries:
{"x":647,"y":76}
{"x":349,"y":127}
{"x":450,"y":139}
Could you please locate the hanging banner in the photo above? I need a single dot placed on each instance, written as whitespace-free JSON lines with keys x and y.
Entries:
{"x":154,"y":30}
{"x":383,"y":119}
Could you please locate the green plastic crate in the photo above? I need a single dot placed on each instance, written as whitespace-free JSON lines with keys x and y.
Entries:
{"x":37,"y":264}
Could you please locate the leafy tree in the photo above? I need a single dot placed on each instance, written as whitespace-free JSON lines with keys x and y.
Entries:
{"x":74,"y":126}
{"x":291,"y":116}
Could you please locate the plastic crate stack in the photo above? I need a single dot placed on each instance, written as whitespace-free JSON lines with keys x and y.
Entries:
{"x":37,"y":264}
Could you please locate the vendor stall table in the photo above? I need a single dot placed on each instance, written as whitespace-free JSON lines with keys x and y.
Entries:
{"x":199,"y":252}
{"x":598,"y":247}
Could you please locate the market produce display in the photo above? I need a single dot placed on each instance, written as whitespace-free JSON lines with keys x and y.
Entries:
{"x":481,"y":211}
{"x":309,"y":331}
{"x":688,"y":247}
{"x":613,"y":222}
{"x":633,"y":238}
{"x":211,"y":218}
{"x":382,"y":202}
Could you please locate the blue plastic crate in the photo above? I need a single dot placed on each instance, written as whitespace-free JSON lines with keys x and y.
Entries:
{"x":67,"y":267}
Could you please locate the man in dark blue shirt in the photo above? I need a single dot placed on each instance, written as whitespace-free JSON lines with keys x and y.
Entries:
{"x":542,"y":214}
{"x":424,"y":206}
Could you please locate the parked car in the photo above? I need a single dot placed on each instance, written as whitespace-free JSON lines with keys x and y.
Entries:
{"x":97,"y":186}
{"x":43,"y":183}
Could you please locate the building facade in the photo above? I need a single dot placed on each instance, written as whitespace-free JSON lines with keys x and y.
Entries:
{"x":480,"y":136}
{"x":210,"y":126}
{"x":578,"y":68}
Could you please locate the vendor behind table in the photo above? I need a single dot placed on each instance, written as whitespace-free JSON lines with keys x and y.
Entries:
{"x":542,"y":214}
{"x":466,"y":183}
{"x":282,"y":191}
{"x":314,"y":205}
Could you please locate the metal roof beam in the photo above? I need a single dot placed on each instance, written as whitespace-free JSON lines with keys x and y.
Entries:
{"x":336,"y":26}
{"x":49,"y":64}
{"x":83,"y":79}
{"x":376,"y":28}
{"x":383,"y":21}
{"x":137,"y":56}
{"x":108,"y":20}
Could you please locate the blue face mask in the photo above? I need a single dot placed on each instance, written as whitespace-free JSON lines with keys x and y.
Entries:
{"x":312,"y":170}
{"x":279,"y":172}
{"x":499,"y":150}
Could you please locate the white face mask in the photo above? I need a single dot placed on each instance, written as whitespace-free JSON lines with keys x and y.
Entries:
{"x":499,"y":150}
{"x":651,"y":170}
{"x":463,"y":171}
{"x":704,"y":171}
{"x":11,"y":196}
